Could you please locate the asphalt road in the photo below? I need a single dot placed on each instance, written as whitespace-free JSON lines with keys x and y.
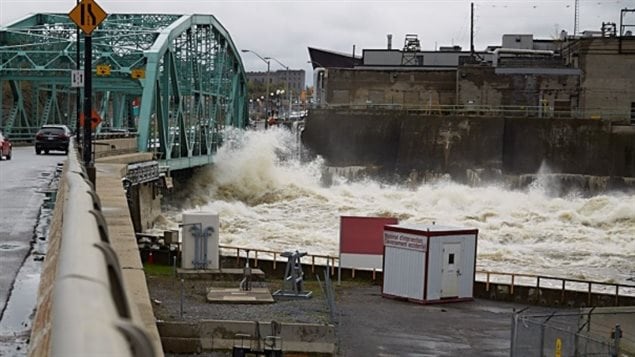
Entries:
{"x":370,"y":325}
{"x":20,"y":180}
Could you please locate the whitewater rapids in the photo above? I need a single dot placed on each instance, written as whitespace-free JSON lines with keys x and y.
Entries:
{"x":268,"y":199}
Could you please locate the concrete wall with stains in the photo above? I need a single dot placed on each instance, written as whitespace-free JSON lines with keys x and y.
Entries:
{"x":390,"y":87}
{"x":491,"y":87}
{"x":477,"y":86}
{"x":607,"y":88}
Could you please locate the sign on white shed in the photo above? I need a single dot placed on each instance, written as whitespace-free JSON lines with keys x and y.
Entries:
{"x":429,"y":264}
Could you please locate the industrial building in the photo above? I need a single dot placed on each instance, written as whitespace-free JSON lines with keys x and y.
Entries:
{"x":587,"y":76}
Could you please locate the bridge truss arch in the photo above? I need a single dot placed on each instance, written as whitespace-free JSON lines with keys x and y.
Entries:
{"x":177,"y":80}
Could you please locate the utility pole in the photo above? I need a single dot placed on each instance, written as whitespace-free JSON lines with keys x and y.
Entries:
{"x":267,"y":98}
{"x":289,"y":94}
{"x":88,"y":105}
{"x":266,"y":60}
{"x":87,"y":15}
{"x":288,"y":86}
{"x":78,"y":93}
{"x":576,"y":20}
{"x":472,"y":30}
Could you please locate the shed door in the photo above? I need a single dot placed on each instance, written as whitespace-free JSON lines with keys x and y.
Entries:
{"x":451,"y":269}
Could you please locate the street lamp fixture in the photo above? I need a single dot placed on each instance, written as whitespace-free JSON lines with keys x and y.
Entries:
{"x":288,"y":83}
{"x":266,"y":60}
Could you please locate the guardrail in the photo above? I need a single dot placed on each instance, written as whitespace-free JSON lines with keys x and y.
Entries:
{"x":488,"y":277}
{"x":91,"y":312}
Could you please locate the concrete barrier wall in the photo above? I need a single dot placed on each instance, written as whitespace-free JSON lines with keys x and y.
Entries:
{"x":436,"y":144}
{"x":42,"y":322}
{"x":568,"y":145}
{"x":210,"y":335}
{"x":83,"y":307}
{"x":410,"y":142}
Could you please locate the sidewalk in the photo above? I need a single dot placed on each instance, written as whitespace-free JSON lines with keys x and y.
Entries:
{"x":122,"y":238}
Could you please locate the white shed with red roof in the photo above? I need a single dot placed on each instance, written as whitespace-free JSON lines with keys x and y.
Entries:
{"x":429,"y":263}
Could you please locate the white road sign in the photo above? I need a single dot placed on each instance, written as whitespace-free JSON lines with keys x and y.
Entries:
{"x":77,"y":78}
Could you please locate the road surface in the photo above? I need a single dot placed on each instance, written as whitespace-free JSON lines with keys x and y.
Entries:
{"x":22,"y":180}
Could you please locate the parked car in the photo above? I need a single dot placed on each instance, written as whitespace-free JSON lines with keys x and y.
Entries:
{"x":6,"y":148}
{"x":52,"y":137}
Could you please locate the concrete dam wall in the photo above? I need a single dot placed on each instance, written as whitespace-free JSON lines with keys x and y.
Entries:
{"x":402,"y":144}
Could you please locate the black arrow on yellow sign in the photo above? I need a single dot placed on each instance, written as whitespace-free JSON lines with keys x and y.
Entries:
{"x":87,"y":15}
{"x":88,"y":8}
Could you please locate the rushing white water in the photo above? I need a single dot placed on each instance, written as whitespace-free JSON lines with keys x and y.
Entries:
{"x":267,"y":199}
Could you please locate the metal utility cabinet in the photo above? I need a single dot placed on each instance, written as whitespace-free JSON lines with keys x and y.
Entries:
{"x":200,"y":241}
{"x":429,"y":264}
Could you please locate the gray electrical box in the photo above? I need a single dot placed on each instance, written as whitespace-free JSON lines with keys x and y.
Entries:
{"x":199,"y":248}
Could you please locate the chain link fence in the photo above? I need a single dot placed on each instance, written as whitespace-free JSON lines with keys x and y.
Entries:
{"x":577,"y":334}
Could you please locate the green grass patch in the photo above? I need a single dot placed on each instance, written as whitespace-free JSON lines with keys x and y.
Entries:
{"x":158,"y":270}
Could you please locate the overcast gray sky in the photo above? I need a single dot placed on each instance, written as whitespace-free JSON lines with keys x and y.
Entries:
{"x":284,"y":29}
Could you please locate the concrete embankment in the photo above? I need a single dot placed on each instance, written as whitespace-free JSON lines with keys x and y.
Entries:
{"x":411,"y":144}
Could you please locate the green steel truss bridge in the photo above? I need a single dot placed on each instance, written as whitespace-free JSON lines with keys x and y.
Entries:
{"x":177,"y":80}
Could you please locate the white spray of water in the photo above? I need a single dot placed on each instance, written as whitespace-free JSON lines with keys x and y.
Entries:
{"x":268,"y":200}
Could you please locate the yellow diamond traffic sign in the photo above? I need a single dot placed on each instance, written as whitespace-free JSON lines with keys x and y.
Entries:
{"x":87,"y":15}
{"x":103,"y":70}
{"x":138,"y":73}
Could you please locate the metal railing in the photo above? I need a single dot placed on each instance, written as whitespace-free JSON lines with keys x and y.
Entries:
{"x":91,"y":312}
{"x":517,"y":111}
{"x":317,"y":260}
{"x":563,"y":284}
{"x":514,"y":280}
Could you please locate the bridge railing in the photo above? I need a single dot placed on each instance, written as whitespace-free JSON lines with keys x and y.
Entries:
{"x":91,"y":312}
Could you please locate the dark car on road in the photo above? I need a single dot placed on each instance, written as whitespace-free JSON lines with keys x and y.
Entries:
{"x":5,"y":147}
{"x":52,"y":137}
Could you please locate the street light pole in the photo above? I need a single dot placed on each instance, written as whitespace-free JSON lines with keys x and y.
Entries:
{"x":288,"y":89}
{"x":267,"y":84}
